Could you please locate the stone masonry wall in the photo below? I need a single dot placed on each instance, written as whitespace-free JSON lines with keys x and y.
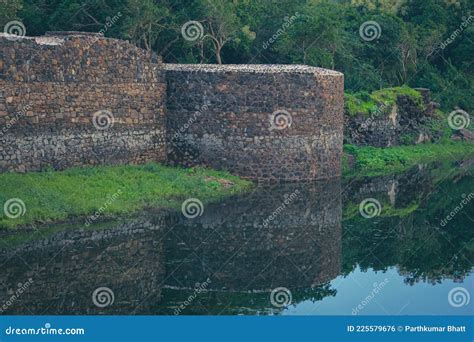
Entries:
{"x":404,"y":123}
{"x":72,"y":99}
{"x":265,"y":122}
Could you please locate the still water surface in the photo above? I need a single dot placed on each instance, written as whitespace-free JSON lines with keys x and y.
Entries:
{"x":307,"y":240}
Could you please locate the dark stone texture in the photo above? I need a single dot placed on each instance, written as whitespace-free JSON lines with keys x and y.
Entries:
{"x":216,"y":115}
{"x":53,"y":85}
{"x":221,"y":117}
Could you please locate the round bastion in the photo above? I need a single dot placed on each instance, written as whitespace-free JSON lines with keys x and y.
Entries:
{"x":262,"y":122}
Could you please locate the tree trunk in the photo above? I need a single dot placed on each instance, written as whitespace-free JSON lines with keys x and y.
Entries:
{"x":218,"y":54}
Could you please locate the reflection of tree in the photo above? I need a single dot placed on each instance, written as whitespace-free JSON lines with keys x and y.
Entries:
{"x":314,"y":294}
{"x":434,"y":254}
{"x":422,"y":249}
{"x":231,"y":303}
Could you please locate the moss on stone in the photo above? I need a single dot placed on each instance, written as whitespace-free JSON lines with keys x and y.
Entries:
{"x":365,"y":104}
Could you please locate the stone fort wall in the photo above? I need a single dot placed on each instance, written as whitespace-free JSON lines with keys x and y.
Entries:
{"x":269,"y":122}
{"x":73,"y":99}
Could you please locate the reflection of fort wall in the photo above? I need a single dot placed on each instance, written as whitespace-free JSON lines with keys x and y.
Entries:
{"x":234,"y":243}
{"x":238,"y":246}
{"x":67,"y":267}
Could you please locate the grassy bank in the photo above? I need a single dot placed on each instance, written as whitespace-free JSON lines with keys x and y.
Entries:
{"x":373,"y":161}
{"x":112,"y":190}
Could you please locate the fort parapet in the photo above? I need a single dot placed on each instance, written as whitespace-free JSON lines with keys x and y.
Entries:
{"x":74,"y":99}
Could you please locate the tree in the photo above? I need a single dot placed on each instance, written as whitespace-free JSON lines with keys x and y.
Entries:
{"x":144,"y":21}
{"x":313,"y":37}
{"x":9,"y":10}
{"x":221,"y":22}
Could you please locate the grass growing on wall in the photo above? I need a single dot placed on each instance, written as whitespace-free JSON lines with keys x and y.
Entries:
{"x":365,"y":104}
{"x":59,"y":195}
{"x":373,"y":161}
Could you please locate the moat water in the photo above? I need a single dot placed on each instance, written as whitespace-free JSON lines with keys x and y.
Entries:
{"x":289,"y":249}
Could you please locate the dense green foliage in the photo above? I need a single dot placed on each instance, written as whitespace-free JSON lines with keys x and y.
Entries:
{"x":54,"y":195}
{"x":378,"y":161}
{"x":412,"y":49}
